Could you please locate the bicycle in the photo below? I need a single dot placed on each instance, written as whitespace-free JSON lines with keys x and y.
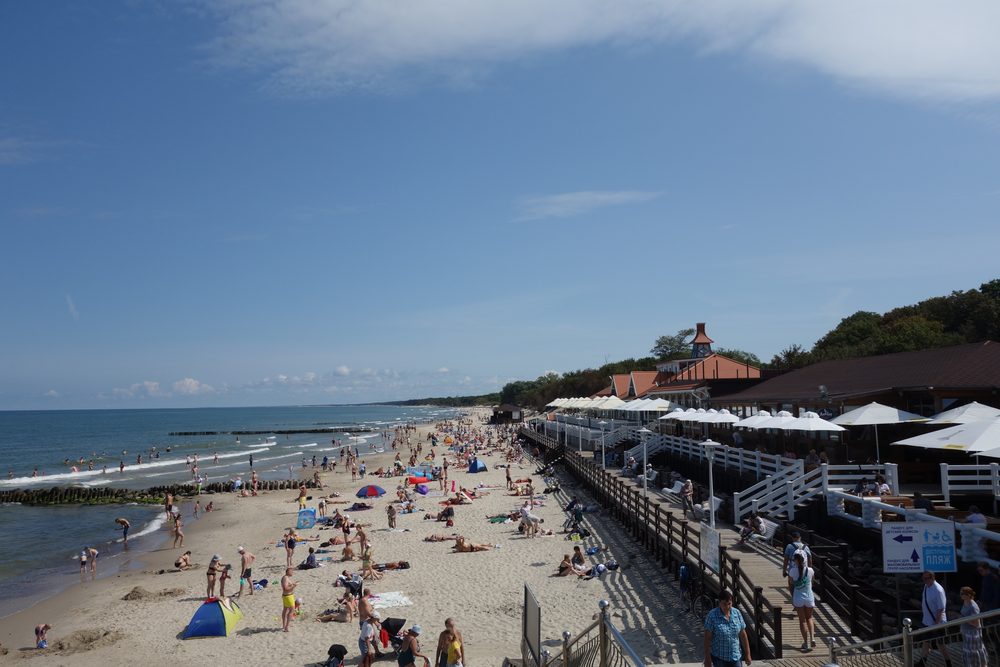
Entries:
{"x":695,"y":600}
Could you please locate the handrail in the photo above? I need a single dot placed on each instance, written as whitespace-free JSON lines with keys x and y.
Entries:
{"x":621,"y":642}
{"x":907,"y":638}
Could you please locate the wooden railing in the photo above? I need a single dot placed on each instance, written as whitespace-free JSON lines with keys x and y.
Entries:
{"x":674,"y":541}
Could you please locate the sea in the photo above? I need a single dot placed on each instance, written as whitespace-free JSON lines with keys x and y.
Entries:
{"x":42,"y":543}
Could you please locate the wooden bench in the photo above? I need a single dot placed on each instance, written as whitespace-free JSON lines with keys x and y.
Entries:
{"x":767,"y":537}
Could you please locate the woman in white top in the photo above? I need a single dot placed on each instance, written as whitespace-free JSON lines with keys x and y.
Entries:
{"x":800,"y":580}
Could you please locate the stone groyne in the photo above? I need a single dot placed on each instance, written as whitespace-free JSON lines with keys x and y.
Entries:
{"x":58,"y":495}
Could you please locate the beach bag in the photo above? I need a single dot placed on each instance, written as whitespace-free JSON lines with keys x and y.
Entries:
{"x":450,"y":523}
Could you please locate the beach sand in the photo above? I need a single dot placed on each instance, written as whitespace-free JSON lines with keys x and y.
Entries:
{"x":482,"y":592}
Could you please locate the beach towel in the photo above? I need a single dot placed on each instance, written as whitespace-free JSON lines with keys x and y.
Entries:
{"x":387,"y":600}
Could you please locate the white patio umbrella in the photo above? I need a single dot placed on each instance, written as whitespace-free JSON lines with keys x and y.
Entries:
{"x":691,"y":415}
{"x":972,"y":412}
{"x":674,"y":414}
{"x":723,"y":416}
{"x":982,"y":437}
{"x":874,"y":414}
{"x":751,"y":422}
{"x":707,"y":417}
{"x":777,"y":421}
{"x":810,"y":421}
{"x":612,"y":402}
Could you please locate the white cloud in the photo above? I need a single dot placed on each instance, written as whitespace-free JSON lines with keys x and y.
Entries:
{"x":577,"y":203}
{"x":189,"y":387}
{"x":72,"y":308}
{"x":343,"y":371}
{"x":914,"y":48}
{"x":443,"y":369}
{"x":52,"y":393}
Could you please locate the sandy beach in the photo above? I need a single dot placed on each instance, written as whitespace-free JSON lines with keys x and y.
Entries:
{"x":482,"y":592}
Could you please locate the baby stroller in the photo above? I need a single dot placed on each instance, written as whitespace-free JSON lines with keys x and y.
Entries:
{"x":335,"y":657}
{"x":394,"y":627}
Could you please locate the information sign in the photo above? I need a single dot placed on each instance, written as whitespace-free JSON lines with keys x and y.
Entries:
{"x":918,"y":546}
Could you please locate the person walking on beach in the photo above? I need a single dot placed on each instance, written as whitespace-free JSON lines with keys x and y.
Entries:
{"x":168,"y":503}
{"x":725,"y":635}
{"x":441,"y":658}
{"x":409,"y":650}
{"x":125,"y":525}
{"x":391,"y":513}
{"x":287,"y":600}
{"x":366,"y":642}
{"x":302,"y":496}
{"x":178,"y":533}
{"x":197,"y":508}
{"x":246,"y":572}
{"x":935,"y":604}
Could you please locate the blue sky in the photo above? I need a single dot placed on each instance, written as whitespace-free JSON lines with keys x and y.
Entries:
{"x":247,"y":202}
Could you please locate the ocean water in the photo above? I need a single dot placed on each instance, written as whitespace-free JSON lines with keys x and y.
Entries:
{"x":42,"y":543}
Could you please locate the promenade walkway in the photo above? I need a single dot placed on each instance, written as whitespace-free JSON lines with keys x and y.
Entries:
{"x":755,"y":576}
{"x":763,"y":568}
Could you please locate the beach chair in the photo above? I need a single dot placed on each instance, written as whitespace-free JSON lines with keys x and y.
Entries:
{"x":702,"y":513}
{"x":674,"y":492}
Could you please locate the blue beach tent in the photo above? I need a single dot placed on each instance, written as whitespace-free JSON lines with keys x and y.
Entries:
{"x":477,"y":466}
{"x":307,"y":519}
{"x":214,"y":618}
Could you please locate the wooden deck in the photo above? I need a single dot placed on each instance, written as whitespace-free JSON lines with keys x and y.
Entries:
{"x":763,"y":567}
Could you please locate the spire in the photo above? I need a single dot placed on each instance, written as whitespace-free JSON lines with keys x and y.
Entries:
{"x":701,"y":346}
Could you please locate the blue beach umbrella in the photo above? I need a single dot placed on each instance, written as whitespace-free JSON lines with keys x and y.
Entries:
{"x":371,"y":491}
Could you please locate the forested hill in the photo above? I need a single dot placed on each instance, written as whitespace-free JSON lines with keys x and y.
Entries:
{"x":961,"y":317}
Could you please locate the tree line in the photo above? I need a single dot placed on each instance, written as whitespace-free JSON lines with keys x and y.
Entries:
{"x":970,"y":316}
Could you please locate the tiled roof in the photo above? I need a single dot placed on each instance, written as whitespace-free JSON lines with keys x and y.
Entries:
{"x":643,"y":381}
{"x":621,"y":384}
{"x":975,"y":366}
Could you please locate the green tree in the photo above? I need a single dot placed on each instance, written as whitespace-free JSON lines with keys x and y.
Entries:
{"x":673,"y":347}
{"x":793,"y":356}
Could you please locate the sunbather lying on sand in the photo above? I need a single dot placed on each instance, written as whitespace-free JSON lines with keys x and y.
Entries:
{"x":475,"y":493}
{"x":462,"y":546}
{"x":440,"y":538}
{"x":397,"y":565}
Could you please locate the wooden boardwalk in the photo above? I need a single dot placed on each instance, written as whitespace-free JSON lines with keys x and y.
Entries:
{"x":763,"y":567}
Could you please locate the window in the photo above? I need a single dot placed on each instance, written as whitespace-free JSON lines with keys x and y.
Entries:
{"x":921,"y":404}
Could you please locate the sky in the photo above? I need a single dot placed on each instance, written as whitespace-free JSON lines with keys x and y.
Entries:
{"x":280,"y":202}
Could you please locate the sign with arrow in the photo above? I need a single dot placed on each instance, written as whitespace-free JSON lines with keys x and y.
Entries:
{"x":915,"y":547}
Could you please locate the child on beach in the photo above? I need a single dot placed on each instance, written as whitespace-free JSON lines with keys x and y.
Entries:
{"x":41,"y":635}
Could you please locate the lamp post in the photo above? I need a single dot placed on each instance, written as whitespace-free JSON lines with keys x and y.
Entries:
{"x":603,"y":459}
{"x":644,"y":433}
{"x":709,"y":446}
